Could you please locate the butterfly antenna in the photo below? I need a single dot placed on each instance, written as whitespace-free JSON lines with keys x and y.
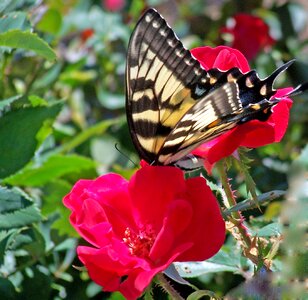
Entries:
{"x":125,"y":155}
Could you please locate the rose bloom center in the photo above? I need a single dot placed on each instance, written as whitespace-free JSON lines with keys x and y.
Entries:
{"x":140,"y":243}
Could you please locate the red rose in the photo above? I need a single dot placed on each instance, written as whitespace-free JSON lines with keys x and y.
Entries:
{"x":253,"y":133}
{"x":250,"y":34}
{"x":139,"y":227}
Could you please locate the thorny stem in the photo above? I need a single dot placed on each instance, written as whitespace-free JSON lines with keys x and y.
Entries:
{"x":165,"y":284}
{"x":236,"y":217}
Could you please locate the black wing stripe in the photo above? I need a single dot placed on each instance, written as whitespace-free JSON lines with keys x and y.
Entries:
{"x":142,"y":84}
{"x":153,"y":43}
{"x":175,"y":47}
{"x":151,"y":128}
{"x":137,"y":36}
{"x":143,"y":104}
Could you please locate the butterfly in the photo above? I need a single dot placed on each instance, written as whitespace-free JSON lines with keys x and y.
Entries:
{"x":173,"y":104}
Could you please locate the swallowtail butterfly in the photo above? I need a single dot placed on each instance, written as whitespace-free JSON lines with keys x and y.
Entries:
{"x":173,"y":105}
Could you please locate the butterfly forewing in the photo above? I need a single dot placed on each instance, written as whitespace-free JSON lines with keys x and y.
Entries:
{"x":161,"y":77}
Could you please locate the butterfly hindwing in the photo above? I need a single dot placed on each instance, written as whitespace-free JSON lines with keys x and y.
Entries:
{"x":208,"y":118}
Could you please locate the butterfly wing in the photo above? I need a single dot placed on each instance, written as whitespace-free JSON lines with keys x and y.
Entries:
{"x":173,"y":104}
{"x":162,"y":81}
{"x":211,"y":116}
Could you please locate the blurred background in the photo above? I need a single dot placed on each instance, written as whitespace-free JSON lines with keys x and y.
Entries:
{"x":61,"y":119}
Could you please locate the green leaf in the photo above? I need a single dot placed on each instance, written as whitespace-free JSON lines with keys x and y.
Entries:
{"x":116,"y":296}
{"x":172,"y":273}
{"x":103,"y":150}
{"x":200,"y":294}
{"x":13,"y":199}
{"x":86,"y":134}
{"x":300,"y":165}
{"x":28,"y":41}
{"x":18,"y":131}
{"x":243,"y":164}
{"x":50,"y":22}
{"x":19,"y":218}
{"x":7,"y":289}
{"x":6,"y":239}
{"x":67,"y":245}
{"x":37,"y":101}
{"x":9,"y":5}
{"x":54,"y":167}
{"x":42,"y":289}
{"x":16,"y":209}
{"x":49,"y":77}
{"x":195,"y":269}
{"x":54,"y":191}
{"x":251,"y":203}
{"x":292,"y":18}
{"x":108,"y":100}
{"x":226,"y":260}
{"x":272,"y":229}
{"x":93,"y":289}
{"x":7,"y":102}
{"x":14,"y":20}
{"x":36,"y":248}
{"x":52,"y":201}
{"x":77,"y":77}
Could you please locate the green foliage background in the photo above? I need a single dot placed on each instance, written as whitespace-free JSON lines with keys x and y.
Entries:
{"x":63,"y":110}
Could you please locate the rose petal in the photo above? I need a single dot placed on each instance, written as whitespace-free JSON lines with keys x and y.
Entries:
{"x":159,"y":187}
{"x":206,"y":223}
{"x":221,"y":57}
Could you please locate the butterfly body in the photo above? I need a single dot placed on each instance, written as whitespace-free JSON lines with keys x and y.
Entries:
{"x":174,"y":105}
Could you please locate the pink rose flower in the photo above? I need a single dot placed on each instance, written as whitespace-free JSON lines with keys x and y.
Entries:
{"x":137,"y":228}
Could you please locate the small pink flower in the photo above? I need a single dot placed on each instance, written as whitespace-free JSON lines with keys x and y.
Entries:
{"x":114,"y":5}
{"x":137,"y":228}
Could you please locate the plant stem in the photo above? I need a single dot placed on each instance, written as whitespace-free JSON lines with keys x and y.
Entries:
{"x":165,"y":284}
{"x":3,"y":75}
{"x":236,"y":217}
{"x":34,"y":76}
